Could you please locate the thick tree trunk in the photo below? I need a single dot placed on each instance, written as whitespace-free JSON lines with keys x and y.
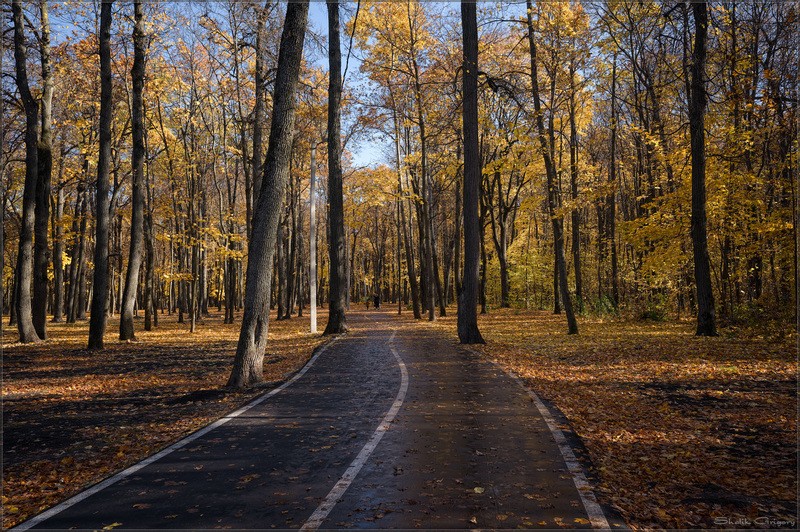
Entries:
{"x":45,"y":169}
{"x":468,"y":332}
{"x":337,"y":322}
{"x":97,"y":318}
{"x":248,"y":363}
{"x":24,"y":271}
{"x":126,"y":331}
{"x":706,"y":321}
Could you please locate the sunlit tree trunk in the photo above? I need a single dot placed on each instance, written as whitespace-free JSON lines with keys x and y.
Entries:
{"x":126,"y":331}
{"x":248,"y":362}
{"x":24,"y":271}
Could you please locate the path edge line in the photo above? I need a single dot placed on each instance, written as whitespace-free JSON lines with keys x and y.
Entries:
{"x":593,"y":509}
{"x":110,"y":481}
{"x":329,"y":502}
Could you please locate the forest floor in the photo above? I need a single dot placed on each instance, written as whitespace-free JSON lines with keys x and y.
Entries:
{"x":71,"y":417}
{"x":683,"y":431}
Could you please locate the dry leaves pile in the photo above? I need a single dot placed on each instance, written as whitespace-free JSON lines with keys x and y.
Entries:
{"x":682,"y":431}
{"x":72,"y":417}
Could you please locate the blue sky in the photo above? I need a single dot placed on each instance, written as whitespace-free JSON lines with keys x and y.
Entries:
{"x":365,"y":152}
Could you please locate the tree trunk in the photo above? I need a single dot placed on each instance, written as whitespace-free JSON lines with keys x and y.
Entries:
{"x":337,"y":322}
{"x":248,"y":362}
{"x":22,"y":296}
{"x":126,"y":331}
{"x":58,"y":251}
{"x":706,"y":325}
{"x":97,"y":318}
{"x":45,"y":168}
{"x":556,"y":298}
{"x":280,"y":264}
{"x":258,"y":110}
{"x":312,"y":240}
{"x":611,"y":207}
{"x":468,"y":332}
{"x":546,"y":142}
{"x":150,"y":313}
{"x":573,"y":174}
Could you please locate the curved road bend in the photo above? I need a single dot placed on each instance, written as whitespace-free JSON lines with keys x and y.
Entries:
{"x":467,"y":449}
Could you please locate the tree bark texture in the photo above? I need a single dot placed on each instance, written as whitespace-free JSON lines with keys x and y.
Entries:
{"x":45,"y":168}
{"x":468,"y":332}
{"x":126,"y":331}
{"x":706,"y":321}
{"x":337,"y":322}
{"x":22,"y":296}
{"x":248,"y":362}
{"x":97,"y":318}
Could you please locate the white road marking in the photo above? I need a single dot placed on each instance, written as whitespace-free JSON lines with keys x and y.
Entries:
{"x":350,"y":474}
{"x":34,"y":521}
{"x":593,"y":509}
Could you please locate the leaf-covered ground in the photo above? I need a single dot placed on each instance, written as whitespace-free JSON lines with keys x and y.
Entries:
{"x":71,"y":417}
{"x":683,"y":432}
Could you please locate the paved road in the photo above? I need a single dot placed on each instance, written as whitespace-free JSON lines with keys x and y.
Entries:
{"x":392,"y":426}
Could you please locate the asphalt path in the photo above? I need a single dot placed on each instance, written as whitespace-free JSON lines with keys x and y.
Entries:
{"x":390,"y":426}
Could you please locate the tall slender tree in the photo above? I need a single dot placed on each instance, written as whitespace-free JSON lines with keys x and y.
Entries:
{"x":546,"y":143}
{"x":337,"y":274}
{"x":45,"y":169}
{"x":706,"y":321}
{"x":126,"y":331}
{"x":22,"y":284}
{"x":468,"y":332}
{"x":248,"y":363}
{"x":97,"y":319}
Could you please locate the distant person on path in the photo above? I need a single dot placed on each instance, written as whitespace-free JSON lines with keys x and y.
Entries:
{"x":377,"y":301}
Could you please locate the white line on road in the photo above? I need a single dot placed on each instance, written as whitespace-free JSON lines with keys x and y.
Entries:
{"x":350,"y":474}
{"x":593,"y":509}
{"x":161,"y":454}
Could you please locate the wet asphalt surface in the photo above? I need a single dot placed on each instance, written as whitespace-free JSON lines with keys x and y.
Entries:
{"x":468,"y":449}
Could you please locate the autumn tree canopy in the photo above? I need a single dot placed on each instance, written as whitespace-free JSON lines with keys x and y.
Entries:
{"x":587,"y":120}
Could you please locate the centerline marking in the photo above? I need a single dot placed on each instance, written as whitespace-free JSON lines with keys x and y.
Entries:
{"x":350,"y":474}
